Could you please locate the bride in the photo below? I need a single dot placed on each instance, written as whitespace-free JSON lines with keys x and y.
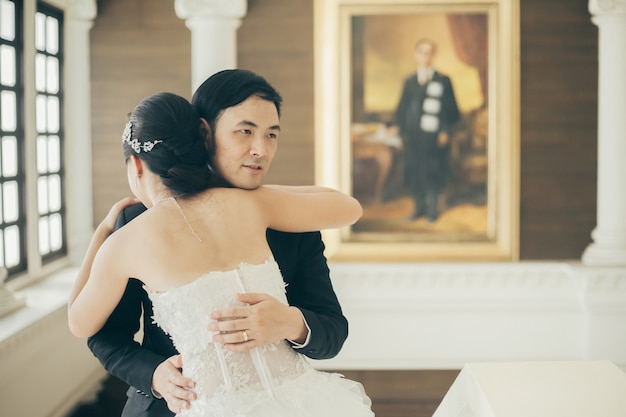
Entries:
{"x":198,"y":245}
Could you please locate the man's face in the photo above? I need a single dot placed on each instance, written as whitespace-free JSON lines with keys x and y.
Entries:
{"x":424,"y":54}
{"x":246,"y":139}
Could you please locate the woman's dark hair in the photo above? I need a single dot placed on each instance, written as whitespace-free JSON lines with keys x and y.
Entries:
{"x":229,"y":88}
{"x":176,"y":151}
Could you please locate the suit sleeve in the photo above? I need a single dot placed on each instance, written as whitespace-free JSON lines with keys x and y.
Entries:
{"x":114,"y":345}
{"x":312,"y":292}
{"x":450,"y":114}
{"x":401,"y":110}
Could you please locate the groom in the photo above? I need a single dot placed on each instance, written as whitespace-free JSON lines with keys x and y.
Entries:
{"x":313,"y":323}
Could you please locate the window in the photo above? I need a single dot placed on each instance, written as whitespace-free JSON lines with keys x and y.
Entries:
{"x":48,"y":112}
{"x":30,"y":238}
{"x":12,"y":217}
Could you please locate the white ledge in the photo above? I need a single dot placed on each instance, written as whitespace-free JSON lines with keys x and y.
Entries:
{"x":42,"y":300}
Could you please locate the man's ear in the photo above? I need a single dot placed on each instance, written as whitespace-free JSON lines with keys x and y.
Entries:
{"x":207,"y":134}
{"x":137,"y":166}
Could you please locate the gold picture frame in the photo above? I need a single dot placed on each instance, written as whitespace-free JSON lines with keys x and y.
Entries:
{"x":361,"y":49}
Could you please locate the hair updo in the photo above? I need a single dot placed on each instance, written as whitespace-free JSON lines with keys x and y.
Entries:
{"x":164,"y":132}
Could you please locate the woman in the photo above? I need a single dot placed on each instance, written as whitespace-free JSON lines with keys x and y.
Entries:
{"x":195,"y":248}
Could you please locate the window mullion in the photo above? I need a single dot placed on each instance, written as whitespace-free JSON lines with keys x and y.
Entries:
{"x":30,"y":140}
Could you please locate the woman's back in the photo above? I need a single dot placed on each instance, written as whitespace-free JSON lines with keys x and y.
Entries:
{"x":178,"y":240}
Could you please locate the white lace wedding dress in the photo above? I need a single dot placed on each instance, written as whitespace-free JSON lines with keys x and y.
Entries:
{"x":270,"y":381}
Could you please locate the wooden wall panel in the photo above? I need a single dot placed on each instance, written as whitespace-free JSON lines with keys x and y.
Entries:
{"x":138,"y":48}
{"x":276,"y":40}
{"x":558,"y":128}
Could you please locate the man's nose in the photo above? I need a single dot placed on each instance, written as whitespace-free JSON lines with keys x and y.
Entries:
{"x":257,"y":147}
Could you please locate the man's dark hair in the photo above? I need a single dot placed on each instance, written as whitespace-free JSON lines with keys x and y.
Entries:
{"x":229,"y":88}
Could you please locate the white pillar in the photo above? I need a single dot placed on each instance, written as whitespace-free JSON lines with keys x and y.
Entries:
{"x":213,"y":25}
{"x":79,"y":16}
{"x":609,"y":236}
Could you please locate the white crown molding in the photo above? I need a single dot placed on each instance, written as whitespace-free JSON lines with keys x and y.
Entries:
{"x":77,"y":9}
{"x":607,"y":7}
{"x":489,"y":284}
{"x":235,"y":9}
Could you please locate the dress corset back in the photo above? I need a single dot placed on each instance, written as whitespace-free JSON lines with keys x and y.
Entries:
{"x":269,"y":381}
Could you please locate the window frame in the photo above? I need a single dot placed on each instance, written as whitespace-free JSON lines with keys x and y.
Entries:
{"x":49,"y":10}
{"x":19,"y":133}
{"x":78,"y":18}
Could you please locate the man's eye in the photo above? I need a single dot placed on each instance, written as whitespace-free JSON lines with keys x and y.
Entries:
{"x":246,"y":131}
{"x":272,"y":135}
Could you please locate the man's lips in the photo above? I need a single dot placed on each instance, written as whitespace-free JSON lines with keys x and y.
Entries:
{"x":254,"y":167}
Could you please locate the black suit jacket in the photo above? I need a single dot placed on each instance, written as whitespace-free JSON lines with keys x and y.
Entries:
{"x":303,"y":265}
{"x":426,"y":164}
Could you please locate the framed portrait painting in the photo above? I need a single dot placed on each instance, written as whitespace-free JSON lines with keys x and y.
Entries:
{"x":417,"y":116}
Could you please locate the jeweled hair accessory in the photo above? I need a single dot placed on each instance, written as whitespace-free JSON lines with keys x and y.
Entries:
{"x":135,"y":143}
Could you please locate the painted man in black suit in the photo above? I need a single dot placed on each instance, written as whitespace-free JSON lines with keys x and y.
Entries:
{"x":313,"y":322}
{"x":425,"y":116}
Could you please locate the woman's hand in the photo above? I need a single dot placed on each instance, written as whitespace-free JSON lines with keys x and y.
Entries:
{"x":263,"y":320}
{"x":108,"y":223}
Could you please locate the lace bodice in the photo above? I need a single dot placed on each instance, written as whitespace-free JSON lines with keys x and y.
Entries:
{"x":224,"y":377}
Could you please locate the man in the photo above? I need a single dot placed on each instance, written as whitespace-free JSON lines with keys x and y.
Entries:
{"x":313,"y":322}
{"x":426,"y":115}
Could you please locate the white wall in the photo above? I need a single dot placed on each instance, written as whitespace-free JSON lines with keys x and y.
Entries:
{"x":438,"y":316}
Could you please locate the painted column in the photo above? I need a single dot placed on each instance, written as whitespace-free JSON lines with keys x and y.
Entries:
{"x":79,"y":17}
{"x":213,"y":25}
{"x":609,"y":236}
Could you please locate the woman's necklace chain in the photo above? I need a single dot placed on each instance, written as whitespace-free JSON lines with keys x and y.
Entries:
{"x":180,"y":209}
